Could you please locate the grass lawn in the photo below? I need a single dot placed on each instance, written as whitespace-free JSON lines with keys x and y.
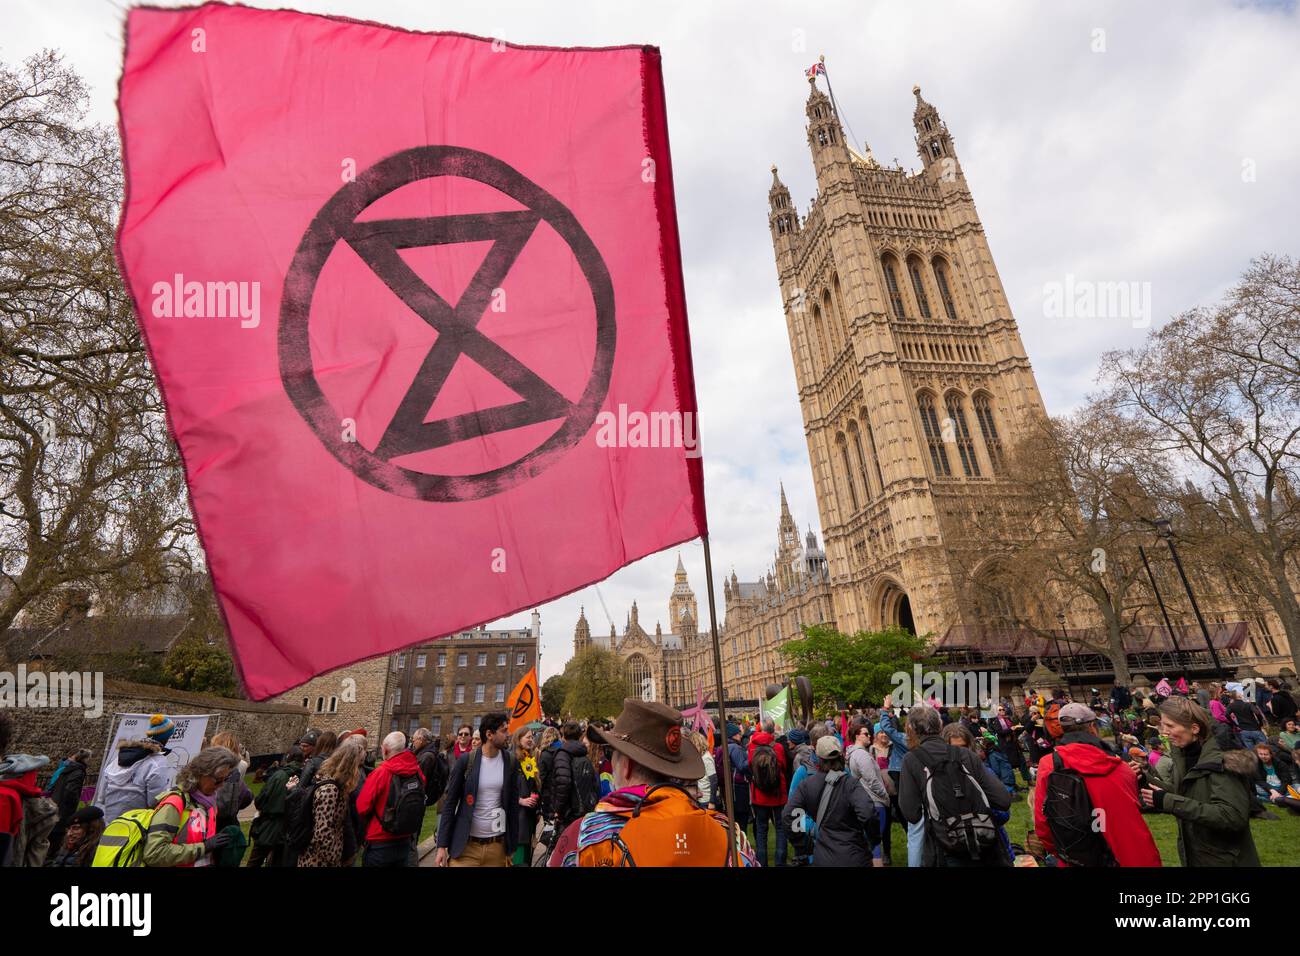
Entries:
{"x":1277,"y":841}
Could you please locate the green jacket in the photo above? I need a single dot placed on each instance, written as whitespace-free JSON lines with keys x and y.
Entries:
{"x":1212,"y":803}
{"x":268,"y":828}
{"x":159,"y":850}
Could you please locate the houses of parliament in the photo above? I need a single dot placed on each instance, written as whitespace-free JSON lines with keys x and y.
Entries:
{"x":914,"y":384}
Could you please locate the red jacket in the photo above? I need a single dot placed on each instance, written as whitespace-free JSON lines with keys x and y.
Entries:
{"x":13,"y":792}
{"x":374,"y":794}
{"x":760,"y":798}
{"x":1112,"y":788}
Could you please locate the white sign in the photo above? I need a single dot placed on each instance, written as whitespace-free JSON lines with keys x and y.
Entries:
{"x":184,"y":743}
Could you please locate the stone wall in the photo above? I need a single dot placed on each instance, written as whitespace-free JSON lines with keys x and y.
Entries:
{"x":345,"y":699}
{"x":262,"y":727}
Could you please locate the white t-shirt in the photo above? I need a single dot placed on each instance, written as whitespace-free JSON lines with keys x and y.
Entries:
{"x":489,"y":816}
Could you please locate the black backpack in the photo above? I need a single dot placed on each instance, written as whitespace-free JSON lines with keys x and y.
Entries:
{"x":957,"y":810}
{"x":1068,"y":811}
{"x":404,"y":809}
{"x":765,"y":771}
{"x":299,"y":814}
{"x":436,"y":775}
{"x":586,"y":786}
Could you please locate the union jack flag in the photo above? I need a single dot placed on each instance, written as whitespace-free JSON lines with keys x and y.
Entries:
{"x":815,"y":70}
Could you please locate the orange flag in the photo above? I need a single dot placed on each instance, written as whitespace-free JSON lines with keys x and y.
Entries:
{"x":525,"y":702}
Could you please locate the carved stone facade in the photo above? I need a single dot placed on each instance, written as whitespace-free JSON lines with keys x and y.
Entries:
{"x":912,"y":376}
{"x":914,"y":383}
{"x":655,"y":664}
{"x":760,"y":616}
{"x":345,"y":699}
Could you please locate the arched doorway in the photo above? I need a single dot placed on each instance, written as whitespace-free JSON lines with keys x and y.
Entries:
{"x":640,"y":678}
{"x":895,"y":608}
{"x":905,"y":615}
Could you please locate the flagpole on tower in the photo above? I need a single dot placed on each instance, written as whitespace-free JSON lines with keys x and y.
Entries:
{"x":722,"y":707}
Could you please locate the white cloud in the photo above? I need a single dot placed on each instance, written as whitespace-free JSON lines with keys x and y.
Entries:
{"x":1116,"y":166}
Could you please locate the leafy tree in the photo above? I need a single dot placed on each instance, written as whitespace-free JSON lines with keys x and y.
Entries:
{"x":597,"y":685}
{"x":195,"y":665}
{"x":856,"y":668}
{"x":554,"y":691}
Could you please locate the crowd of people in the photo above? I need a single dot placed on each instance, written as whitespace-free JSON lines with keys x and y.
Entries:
{"x":646,"y":790}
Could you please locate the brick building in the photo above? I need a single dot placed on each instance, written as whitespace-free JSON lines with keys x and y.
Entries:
{"x":459,"y":678}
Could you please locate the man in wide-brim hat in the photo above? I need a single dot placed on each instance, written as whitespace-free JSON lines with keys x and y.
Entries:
{"x":649,"y":819}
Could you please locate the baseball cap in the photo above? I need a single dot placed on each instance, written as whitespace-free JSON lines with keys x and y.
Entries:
{"x":1074,"y":714}
{"x":828,"y":746}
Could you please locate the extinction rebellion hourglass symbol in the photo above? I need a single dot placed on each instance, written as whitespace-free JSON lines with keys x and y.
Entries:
{"x":377,"y":243}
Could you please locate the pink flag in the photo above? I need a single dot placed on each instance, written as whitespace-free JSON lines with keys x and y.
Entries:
{"x":414,"y":302}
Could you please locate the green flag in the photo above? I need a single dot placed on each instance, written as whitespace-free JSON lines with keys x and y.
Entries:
{"x":777,"y":710}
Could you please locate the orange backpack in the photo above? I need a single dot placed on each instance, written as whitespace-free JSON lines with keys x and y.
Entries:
{"x":667,"y":828}
{"x":1052,"y":720}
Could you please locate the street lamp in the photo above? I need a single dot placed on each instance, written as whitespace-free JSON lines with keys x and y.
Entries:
{"x":1065,"y":671}
{"x":1165,"y":529}
{"x":1178,"y":651}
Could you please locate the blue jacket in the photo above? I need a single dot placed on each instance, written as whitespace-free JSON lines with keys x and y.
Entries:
{"x":1002,"y":767}
{"x":899,"y":739}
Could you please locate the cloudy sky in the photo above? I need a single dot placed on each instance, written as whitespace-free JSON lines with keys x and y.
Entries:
{"x":1109,"y":142}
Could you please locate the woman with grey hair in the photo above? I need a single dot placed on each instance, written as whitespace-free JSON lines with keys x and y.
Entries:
{"x":183,"y":831}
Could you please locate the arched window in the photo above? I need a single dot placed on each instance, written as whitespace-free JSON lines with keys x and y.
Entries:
{"x":891,"y":283}
{"x":918,"y":287}
{"x":848,"y":470}
{"x":846,"y":324}
{"x":862,"y":459}
{"x":640,"y":679}
{"x":832,"y":320}
{"x":933,"y":437}
{"x":965,"y":447}
{"x":819,"y":327}
{"x":941,"y":279}
{"x":875,"y":456}
{"x":989,"y":431}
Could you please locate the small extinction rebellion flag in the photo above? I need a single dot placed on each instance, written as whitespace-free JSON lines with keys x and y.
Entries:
{"x":415,"y":306}
{"x":524,"y":705}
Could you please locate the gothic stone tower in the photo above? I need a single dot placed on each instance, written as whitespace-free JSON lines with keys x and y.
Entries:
{"x":912,"y":376}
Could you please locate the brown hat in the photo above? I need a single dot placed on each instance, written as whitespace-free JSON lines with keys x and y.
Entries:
{"x":651,"y":734}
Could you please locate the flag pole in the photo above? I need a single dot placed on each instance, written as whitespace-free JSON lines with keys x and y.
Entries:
{"x":722,"y":707}
{"x":830,"y":90}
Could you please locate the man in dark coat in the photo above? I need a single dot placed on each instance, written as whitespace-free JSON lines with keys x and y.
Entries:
{"x":479,"y":825}
{"x":924,"y":724}
{"x":267,"y":831}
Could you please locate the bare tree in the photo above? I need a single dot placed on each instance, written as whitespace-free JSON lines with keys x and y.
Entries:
{"x":90,"y":487}
{"x":1217,"y":392}
{"x":1081,"y":486}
